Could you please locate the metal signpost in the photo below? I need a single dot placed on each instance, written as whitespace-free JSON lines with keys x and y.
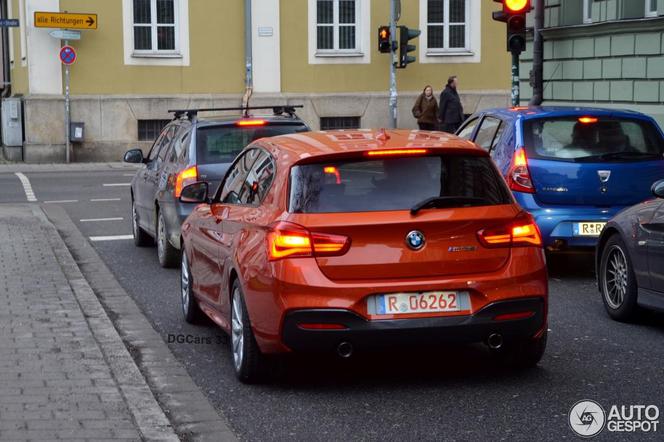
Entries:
{"x":68,"y":57}
{"x":65,"y":25}
{"x":394,"y":4}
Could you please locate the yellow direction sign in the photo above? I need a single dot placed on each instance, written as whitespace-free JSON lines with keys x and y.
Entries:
{"x":65,"y":20}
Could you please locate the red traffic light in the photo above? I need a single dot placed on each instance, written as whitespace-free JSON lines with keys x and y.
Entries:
{"x":516,"y":6}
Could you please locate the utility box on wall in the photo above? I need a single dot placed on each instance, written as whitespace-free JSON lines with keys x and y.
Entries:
{"x":12,"y":128}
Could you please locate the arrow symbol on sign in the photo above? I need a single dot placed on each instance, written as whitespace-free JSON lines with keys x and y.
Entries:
{"x":90,"y":21}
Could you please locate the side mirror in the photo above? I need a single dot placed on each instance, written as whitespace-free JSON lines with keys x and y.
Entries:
{"x":134,"y":156}
{"x":195,"y":193}
{"x":658,"y":189}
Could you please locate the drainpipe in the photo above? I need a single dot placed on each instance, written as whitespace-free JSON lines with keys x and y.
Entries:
{"x":6,"y":87}
{"x":248,"y":55}
{"x":537,"y":77}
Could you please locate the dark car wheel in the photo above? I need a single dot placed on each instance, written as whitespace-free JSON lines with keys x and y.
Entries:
{"x":249,"y":362}
{"x":141,"y":237}
{"x":190,"y":309}
{"x":523,"y":354}
{"x":168,"y":255}
{"x":617,"y":281}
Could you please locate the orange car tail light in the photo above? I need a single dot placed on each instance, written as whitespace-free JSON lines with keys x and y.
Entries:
{"x":523,"y":231}
{"x":184,"y":178}
{"x":396,"y":152}
{"x":288,"y":240}
{"x":518,"y":177}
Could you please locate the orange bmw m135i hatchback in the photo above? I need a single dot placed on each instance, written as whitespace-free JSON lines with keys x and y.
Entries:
{"x":349,"y":241}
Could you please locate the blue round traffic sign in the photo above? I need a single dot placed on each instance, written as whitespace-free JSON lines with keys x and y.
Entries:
{"x":67,"y":55}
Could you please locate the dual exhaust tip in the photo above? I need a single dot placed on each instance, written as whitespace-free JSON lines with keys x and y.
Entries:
{"x":345,"y":349}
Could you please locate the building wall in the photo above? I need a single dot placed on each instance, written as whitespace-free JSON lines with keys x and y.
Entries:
{"x":112,"y":89}
{"x":609,"y":63}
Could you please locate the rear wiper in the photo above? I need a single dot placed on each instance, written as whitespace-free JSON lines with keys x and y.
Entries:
{"x":448,"y":201}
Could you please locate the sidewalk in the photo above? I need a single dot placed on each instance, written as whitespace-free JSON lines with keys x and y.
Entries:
{"x":65,"y":372}
{"x":6,"y":167}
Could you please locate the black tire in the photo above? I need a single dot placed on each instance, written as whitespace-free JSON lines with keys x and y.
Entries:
{"x":250,"y":364}
{"x":168,"y":255}
{"x":523,"y":354}
{"x":141,"y":237}
{"x":617,"y":281}
{"x":190,"y":309}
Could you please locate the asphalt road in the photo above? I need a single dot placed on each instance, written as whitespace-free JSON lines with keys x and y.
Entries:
{"x":446,"y":393}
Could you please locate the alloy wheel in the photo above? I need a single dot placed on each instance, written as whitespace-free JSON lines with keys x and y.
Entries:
{"x":184,"y":283}
{"x":237,"y":332}
{"x":616,"y":277}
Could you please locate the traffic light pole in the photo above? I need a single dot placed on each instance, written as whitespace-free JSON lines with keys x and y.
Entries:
{"x":393,"y":65}
{"x":516,"y":86}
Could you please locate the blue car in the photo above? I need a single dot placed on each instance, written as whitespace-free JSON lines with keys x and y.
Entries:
{"x":572,"y":168}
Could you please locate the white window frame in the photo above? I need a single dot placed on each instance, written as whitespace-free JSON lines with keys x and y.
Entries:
{"x":336,"y":26}
{"x":651,"y":12}
{"x":360,"y":55}
{"x":588,"y":11}
{"x":154,"y":57}
{"x":472,"y":51}
{"x":154,"y":26}
{"x":446,"y":29}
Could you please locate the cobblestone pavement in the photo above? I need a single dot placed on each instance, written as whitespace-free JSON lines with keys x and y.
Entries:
{"x":56,"y":379}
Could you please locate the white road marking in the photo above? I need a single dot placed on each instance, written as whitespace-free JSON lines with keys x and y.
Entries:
{"x":99,"y":200}
{"x":60,"y":202}
{"x":128,"y":174}
{"x":27,"y":187}
{"x":117,"y":185}
{"x":95,"y":220}
{"x":111,"y":238}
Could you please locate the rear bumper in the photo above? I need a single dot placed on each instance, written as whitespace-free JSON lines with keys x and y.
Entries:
{"x":557,"y":222}
{"x":366,"y":334}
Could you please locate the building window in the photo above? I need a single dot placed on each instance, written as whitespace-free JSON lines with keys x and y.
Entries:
{"x":651,"y":8}
{"x":337,"y":25}
{"x":155,"y":26}
{"x":335,"y":123}
{"x":149,"y":130}
{"x":447,"y":25}
{"x":588,"y":11}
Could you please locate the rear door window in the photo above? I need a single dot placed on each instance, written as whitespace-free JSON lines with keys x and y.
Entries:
{"x":221,"y":144}
{"x":467,"y":131}
{"x":259,"y":179}
{"x":487,"y":133}
{"x":394,"y":184}
{"x":593,"y":139}
{"x":233,"y":190}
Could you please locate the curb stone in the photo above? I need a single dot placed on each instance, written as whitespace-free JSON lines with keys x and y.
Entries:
{"x":187,"y":408}
{"x":148,"y":416}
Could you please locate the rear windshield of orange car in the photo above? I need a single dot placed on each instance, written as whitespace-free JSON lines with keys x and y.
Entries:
{"x":369,"y":185}
{"x":592,"y":139}
{"x":221,"y":144}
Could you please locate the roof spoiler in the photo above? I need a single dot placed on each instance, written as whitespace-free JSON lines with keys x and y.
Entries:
{"x":191,"y":114}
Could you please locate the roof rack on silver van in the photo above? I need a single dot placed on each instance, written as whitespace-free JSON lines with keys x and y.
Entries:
{"x":191,"y":114}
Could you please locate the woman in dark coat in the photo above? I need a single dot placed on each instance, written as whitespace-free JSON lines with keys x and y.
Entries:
{"x":426,"y":110}
{"x":450,"y":113}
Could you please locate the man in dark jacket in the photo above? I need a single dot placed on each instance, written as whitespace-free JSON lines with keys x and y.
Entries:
{"x":450,"y":110}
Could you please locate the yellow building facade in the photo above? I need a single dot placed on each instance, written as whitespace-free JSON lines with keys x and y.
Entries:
{"x":148,"y":56}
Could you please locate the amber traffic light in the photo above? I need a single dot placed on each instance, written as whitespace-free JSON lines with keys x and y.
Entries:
{"x":384,"y":40}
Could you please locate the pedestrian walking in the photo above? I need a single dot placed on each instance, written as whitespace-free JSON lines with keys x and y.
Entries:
{"x":450,"y":111}
{"x":426,"y":110}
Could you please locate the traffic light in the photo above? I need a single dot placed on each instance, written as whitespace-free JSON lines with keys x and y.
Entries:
{"x":514,"y":14}
{"x":405,"y":35}
{"x":384,"y":40}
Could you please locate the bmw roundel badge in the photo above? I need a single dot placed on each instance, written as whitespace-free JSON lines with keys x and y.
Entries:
{"x":415,"y":240}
